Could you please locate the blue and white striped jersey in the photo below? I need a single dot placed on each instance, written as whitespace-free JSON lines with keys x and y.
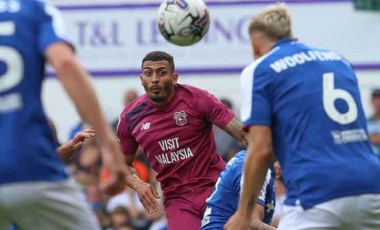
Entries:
{"x":224,"y":200}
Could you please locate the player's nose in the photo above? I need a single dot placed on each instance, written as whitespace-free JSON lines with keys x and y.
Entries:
{"x":154,"y":78}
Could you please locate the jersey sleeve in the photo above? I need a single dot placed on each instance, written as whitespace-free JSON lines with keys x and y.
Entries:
{"x":213,"y":109}
{"x":51,"y":26}
{"x":126,"y":140}
{"x":256,"y":96}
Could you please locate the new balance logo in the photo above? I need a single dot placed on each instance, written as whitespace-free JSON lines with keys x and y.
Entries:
{"x":145,"y":126}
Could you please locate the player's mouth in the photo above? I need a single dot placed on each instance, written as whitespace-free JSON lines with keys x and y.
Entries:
{"x":155,"y":88}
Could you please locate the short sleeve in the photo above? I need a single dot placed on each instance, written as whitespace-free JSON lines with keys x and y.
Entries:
{"x":127,"y":142}
{"x":256,"y":96}
{"x":51,"y":26}
{"x":213,"y":109}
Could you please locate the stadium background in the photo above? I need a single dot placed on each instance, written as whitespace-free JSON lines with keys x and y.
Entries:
{"x":111,"y":38}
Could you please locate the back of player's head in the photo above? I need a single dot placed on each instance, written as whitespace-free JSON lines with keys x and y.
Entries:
{"x":273,"y":21}
{"x":159,"y":56}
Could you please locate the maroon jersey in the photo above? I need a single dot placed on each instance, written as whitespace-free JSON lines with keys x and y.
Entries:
{"x":177,"y":138}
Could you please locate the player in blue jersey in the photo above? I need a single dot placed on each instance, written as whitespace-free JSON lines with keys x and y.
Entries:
{"x":224,"y":200}
{"x":303,"y":104}
{"x":36,"y":191}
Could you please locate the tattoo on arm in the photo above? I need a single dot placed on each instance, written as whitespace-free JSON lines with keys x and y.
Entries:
{"x":235,"y":129}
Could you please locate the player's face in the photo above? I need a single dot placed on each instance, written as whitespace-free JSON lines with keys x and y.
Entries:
{"x":158,"y":81}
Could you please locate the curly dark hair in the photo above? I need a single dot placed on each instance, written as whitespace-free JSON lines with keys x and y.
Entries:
{"x":159,"y":56}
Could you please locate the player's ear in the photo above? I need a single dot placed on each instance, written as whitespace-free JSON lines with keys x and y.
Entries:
{"x":141,"y":81}
{"x":175,"y":77}
{"x":256,"y":49}
{"x":255,"y":44}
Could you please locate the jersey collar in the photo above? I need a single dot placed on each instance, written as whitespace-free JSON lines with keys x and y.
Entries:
{"x":283,"y":41}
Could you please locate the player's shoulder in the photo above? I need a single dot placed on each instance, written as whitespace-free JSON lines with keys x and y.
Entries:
{"x":261,"y":66}
{"x":234,"y":169}
{"x":237,"y":159}
{"x":135,"y":107}
{"x":40,"y":7}
{"x":39,"y":3}
{"x":189,"y":90}
{"x":192,"y":94}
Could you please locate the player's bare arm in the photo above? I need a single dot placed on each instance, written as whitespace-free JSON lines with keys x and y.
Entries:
{"x":255,"y":169}
{"x":256,"y":219}
{"x":235,"y":129}
{"x":77,"y":84}
{"x":67,"y":150}
{"x":375,"y":138}
{"x":148,"y":195}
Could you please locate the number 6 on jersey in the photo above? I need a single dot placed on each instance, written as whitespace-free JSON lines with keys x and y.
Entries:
{"x":331,"y":94}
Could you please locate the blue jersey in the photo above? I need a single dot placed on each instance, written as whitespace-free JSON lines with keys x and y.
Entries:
{"x":310,"y":99}
{"x":27,"y":149}
{"x":223,"y":202}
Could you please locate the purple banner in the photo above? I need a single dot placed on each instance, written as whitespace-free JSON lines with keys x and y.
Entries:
{"x":205,"y":71}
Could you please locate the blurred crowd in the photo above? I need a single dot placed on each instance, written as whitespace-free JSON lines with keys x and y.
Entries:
{"x":124,"y":210}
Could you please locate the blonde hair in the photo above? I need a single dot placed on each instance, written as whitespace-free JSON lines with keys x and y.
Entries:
{"x":274,"y":21}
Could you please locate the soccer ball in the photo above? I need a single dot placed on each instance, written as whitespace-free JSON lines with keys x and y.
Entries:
{"x":183,"y":22}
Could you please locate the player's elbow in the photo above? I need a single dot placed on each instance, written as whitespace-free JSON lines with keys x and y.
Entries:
{"x":61,"y":57}
{"x":262,"y":151}
{"x":264,"y":155}
{"x":66,"y":65}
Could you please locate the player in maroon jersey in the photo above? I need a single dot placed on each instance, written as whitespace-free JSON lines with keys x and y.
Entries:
{"x":173,"y":124}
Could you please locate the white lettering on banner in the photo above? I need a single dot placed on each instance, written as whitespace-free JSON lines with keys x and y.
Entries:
{"x":301,"y":58}
{"x":348,"y":136}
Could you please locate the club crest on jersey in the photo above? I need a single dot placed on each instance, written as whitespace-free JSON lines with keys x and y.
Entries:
{"x":180,"y":118}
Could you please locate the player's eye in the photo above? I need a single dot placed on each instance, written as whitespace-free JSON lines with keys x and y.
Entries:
{"x":147,"y":73}
{"x":162,"y":73}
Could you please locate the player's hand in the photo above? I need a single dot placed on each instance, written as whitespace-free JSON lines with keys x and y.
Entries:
{"x":113,"y":162}
{"x":237,"y":222}
{"x":79,"y":138}
{"x":67,"y":150}
{"x":148,"y":196}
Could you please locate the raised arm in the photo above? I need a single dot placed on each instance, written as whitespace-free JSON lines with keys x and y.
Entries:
{"x":375,"y":138}
{"x":67,"y":150}
{"x":235,"y":129}
{"x":78,"y":86}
